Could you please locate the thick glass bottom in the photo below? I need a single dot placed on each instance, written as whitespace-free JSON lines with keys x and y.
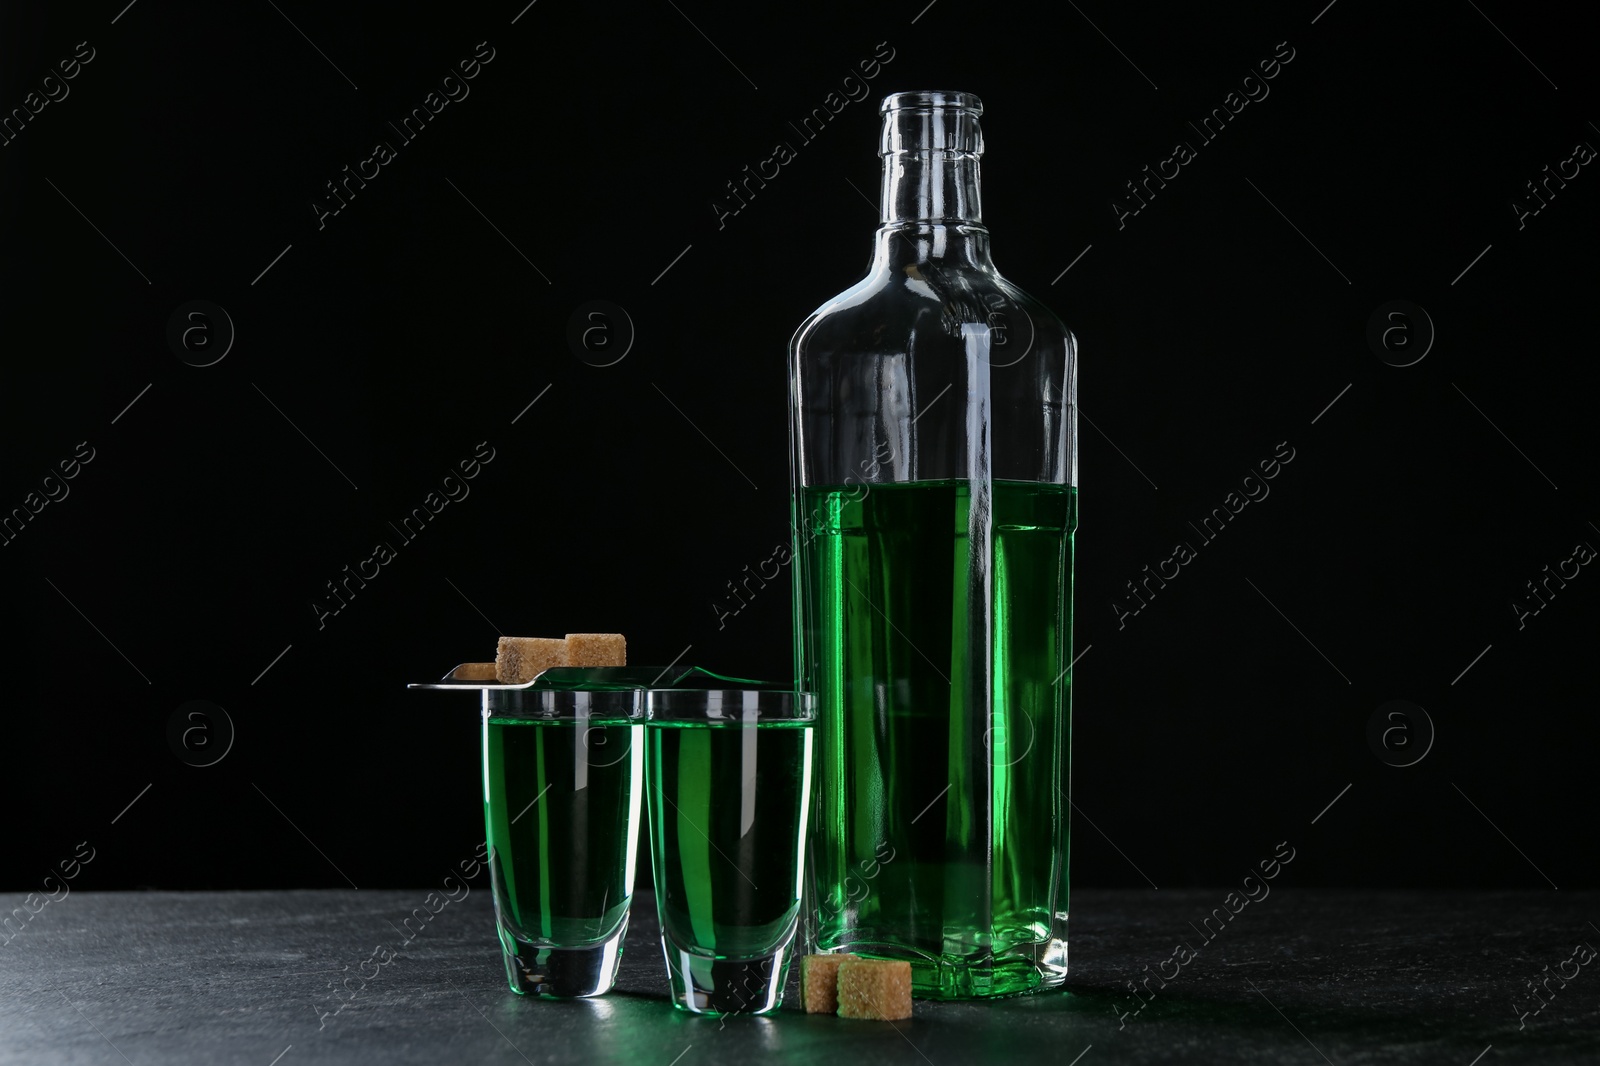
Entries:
{"x":562,"y":973}
{"x":703,"y":984}
{"x":949,"y":977}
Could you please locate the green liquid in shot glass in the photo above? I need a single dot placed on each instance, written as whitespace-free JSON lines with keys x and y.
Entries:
{"x":728,"y":810}
{"x":561,"y":810}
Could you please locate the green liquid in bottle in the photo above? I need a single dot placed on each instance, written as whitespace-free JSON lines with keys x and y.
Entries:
{"x":940,"y":835}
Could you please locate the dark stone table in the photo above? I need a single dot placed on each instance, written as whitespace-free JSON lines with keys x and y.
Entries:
{"x":1300,"y":977}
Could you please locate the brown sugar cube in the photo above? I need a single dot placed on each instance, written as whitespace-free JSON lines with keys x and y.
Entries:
{"x":518,"y":659}
{"x":476,"y":672}
{"x":879,"y":989}
{"x":596,"y":649}
{"x":819,"y":982}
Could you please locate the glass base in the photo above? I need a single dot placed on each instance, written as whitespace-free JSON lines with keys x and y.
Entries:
{"x":562,"y":973}
{"x":705,"y":985}
{"x":966,"y":979}
{"x":1036,"y":968}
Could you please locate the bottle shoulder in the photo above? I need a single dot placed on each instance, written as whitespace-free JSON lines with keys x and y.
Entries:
{"x":895,"y":302}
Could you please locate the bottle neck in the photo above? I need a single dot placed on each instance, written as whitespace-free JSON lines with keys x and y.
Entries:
{"x":931,"y":209}
{"x":937,"y":188}
{"x":960,"y":245}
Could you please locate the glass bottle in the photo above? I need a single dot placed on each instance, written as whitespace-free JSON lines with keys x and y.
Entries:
{"x":933,"y":420}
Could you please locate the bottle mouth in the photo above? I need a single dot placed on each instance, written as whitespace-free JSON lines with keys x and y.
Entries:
{"x":931,"y":100}
{"x":931,"y":123}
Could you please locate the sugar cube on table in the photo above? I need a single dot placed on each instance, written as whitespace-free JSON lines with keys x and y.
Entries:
{"x":819,"y":982}
{"x":875,"y":988}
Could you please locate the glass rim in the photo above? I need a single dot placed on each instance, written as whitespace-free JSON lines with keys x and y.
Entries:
{"x":728,"y":706}
{"x":565,"y":705}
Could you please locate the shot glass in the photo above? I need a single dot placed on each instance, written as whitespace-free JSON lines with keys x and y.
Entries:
{"x":729,"y":780}
{"x":563,"y":772}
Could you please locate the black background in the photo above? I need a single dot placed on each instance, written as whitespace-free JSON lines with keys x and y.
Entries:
{"x":412,"y":327}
